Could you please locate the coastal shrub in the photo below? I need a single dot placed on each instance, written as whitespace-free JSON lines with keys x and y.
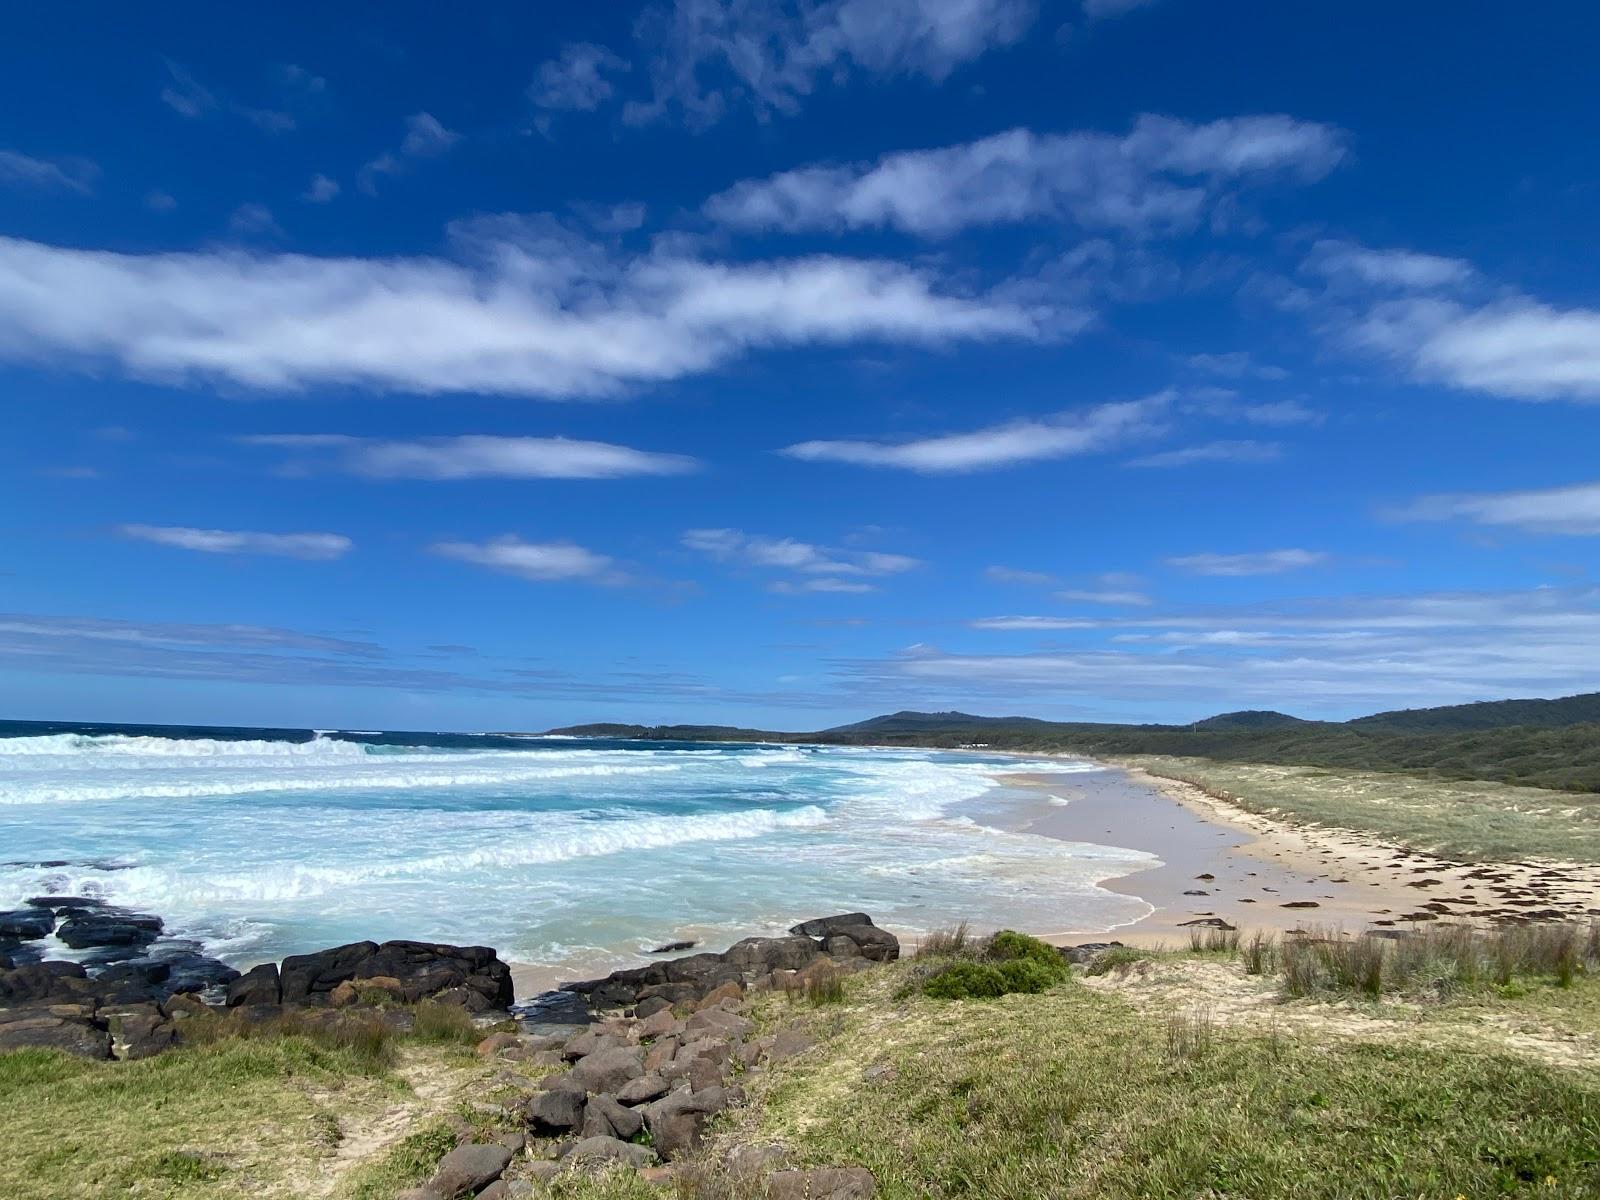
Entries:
{"x":1010,"y":946}
{"x":1189,"y":1035}
{"x":1116,"y":960}
{"x":1438,"y":960}
{"x":1210,"y":939}
{"x":966,"y":981}
{"x":362,"y":1039}
{"x":1260,"y":953}
{"x":945,"y":943}
{"x":825,"y":986}
{"x":444,"y":1023}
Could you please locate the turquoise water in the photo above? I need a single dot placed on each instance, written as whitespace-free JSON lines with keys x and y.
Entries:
{"x":560,"y":852}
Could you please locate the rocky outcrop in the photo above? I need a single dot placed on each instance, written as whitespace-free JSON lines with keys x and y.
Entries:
{"x":849,"y":941}
{"x":471,"y":976}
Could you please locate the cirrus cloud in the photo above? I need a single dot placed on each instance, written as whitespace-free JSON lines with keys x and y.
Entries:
{"x":312,"y":546}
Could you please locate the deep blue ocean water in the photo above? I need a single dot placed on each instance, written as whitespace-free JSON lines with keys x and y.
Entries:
{"x":570,"y":853}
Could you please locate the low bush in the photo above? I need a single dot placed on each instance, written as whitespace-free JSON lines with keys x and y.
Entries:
{"x":1007,"y":963}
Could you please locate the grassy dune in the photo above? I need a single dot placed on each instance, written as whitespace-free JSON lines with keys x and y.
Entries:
{"x":1473,"y":821}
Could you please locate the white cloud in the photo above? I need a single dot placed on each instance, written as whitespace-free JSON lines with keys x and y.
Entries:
{"x":1574,"y":509}
{"x":1068,"y":434}
{"x":1012,"y":575}
{"x":1310,"y":656}
{"x":577,"y":80}
{"x":817,"y":568}
{"x":320,"y":190}
{"x":542,"y":562}
{"x":158,"y":201}
{"x":1237,"y":451}
{"x":1097,"y":10}
{"x":316,"y":546}
{"x":1274,"y":414}
{"x":1268,"y":562}
{"x":425,"y":138}
{"x":254,"y":220}
{"x":1406,"y":270}
{"x":67,"y":174}
{"x":1235,"y":364}
{"x":189,"y":98}
{"x":1161,"y":177}
{"x":706,"y":55}
{"x":478,"y":456}
{"x":851,"y":587}
{"x":1114,"y":599}
{"x":527,"y":308}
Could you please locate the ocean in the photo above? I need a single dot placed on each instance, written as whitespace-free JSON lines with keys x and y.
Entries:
{"x":572,"y":854}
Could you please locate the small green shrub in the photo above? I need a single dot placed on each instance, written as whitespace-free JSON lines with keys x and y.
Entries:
{"x":1009,"y":963}
{"x":445,"y":1023}
{"x":1116,"y":960}
{"x":825,"y":987}
{"x":966,"y":981}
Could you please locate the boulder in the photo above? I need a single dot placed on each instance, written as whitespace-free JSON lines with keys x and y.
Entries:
{"x":258,"y":985}
{"x":720,"y":994}
{"x":43,"y":981}
{"x":660,"y":1024}
{"x":143,"y":1035}
{"x":821,"y":927}
{"x":304,"y":976}
{"x":872,"y":943}
{"x":495,"y":1043}
{"x":789,"y":1042}
{"x":466,"y":1169}
{"x":608,"y":1070}
{"x":86,"y":929}
{"x":609,"y":1150}
{"x":426,"y":969}
{"x":555,"y":1112}
{"x":40,"y":1029}
{"x":604,"y":1117}
{"x":677,"y":1119}
{"x":824,"y":1183}
{"x":716,"y":1022}
{"x":1086,"y":951}
{"x":590,"y":1041}
{"x":651,"y":1005}
{"x":26,"y":924}
{"x":642,"y":1090}
{"x":759,"y":955}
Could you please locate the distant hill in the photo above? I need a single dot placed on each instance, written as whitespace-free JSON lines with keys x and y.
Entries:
{"x":671,"y":733}
{"x":936,"y":722}
{"x":1488,"y":714}
{"x":1250,"y":718}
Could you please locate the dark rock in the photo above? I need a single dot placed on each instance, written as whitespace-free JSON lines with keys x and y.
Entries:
{"x":608,"y":1070}
{"x":642,"y":1090}
{"x":258,"y":985}
{"x":677,"y":1119}
{"x":877,"y":945}
{"x":143,"y":1035}
{"x":622,"y":1121}
{"x":58,"y":904}
{"x":42,"y":981}
{"x":609,"y":1150}
{"x":40,"y":1029}
{"x":1207,"y":923}
{"x":303,"y":976}
{"x":674,"y":947}
{"x":27,"y":924}
{"x":468,"y":1168}
{"x":556,"y":1112}
{"x":1084,"y":952}
{"x":824,"y":1183}
{"x":591,"y":1041}
{"x":427,"y":969}
{"x":823,"y":926}
{"x":758,"y":955}
{"x":650,"y":1006}
{"x":109,"y":927}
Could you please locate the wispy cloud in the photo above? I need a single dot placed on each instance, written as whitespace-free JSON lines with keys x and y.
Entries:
{"x":542,"y":562}
{"x":1097,"y":10}
{"x":320,"y":190}
{"x":425,"y":137}
{"x":1266,"y":562}
{"x":188,"y":97}
{"x":314,"y":546}
{"x":1235,"y":364}
{"x":1444,"y":323}
{"x":1063,"y":436}
{"x":821,"y":568}
{"x":1161,"y":177}
{"x":254,"y":220}
{"x":1013,"y":575}
{"x":530,"y":309}
{"x":706,"y":55}
{"x":1237,"y":451}
{"x":1334,"y":653}
{"x":61,"y":175}
{"x":576,"y":82}
{"x":475,"y":456}
{"x":1104,"y":596}
{"x":1574,"y":509}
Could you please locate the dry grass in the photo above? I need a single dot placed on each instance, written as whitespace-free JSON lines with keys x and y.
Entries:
{"x":1474,"y":821}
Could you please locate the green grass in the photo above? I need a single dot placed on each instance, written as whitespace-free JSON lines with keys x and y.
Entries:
{"x":239,"y":1117}
{"x":1072,"y":1093}
{"x":407,"y":1163}
{"x":1471,"y":821}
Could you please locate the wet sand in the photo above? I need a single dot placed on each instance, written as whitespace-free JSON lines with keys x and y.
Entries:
{"x":1259,"y":873}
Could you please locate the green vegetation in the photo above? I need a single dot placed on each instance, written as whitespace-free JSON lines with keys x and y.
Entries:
{"x":1005,"y":964}
{"x":1471,"y":821}
{"x":1531,"y":743}
{"x":1067,"y":1094}
{"x":240,"y":1110}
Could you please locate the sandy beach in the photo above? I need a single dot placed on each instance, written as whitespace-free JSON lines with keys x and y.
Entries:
{"x":1255,"y":872}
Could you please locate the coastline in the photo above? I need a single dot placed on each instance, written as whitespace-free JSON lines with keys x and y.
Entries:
{"x":1217,"y":861}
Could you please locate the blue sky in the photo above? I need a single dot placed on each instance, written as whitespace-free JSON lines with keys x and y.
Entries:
{"x":782,"y":364}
